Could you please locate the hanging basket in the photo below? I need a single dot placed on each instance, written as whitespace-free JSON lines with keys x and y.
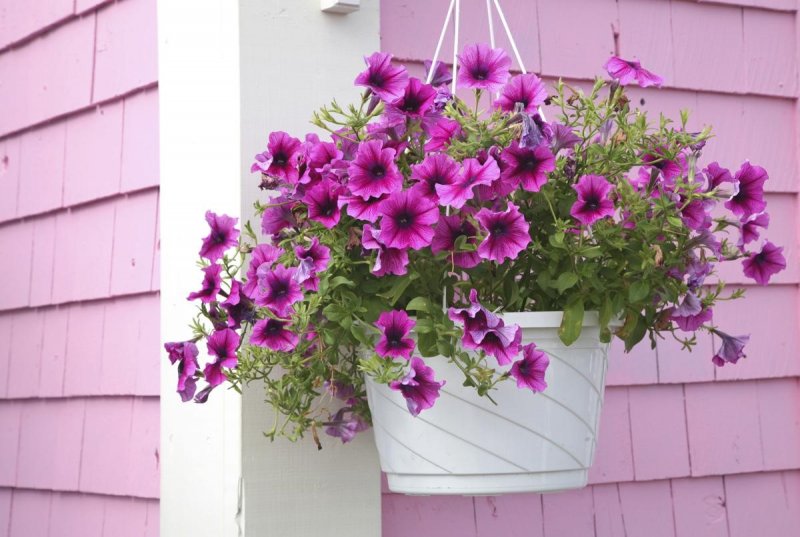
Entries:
{"x":528,"y":442}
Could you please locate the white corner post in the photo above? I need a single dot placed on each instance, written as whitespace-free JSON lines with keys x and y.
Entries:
{"x":229,"y":73}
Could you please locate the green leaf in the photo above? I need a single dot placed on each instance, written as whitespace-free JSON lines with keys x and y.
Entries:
{"x":426,"y":343}
{"x":424,"y":326}
{"x":360,"y":333}
{"x":565,"y":281}
{"x":571,"y":324}
{"x":335,"y":312}
{"x":400,"y":285}
{"x":557,"y":240}
{"x":341,"y":280}
{"x":638,"y":291}
{"x":606,"y":312}
{"x":419,"y":303}
{"x":633,"y":331}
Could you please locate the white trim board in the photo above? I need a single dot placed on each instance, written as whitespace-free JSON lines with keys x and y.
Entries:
{"x":230,"y":72}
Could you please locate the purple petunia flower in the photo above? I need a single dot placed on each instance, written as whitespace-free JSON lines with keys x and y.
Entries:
{"x":374,"y":171}
{"x":486,"y":331}
{"x":507,"y":233}
{"x":278,"y":289}
{"x":731,"y":350}
{"x":345,"y":428}
{"x":691,"y":314}
{"x":185,"y":354}
{"x":278,"y":215}
{"x":387,"y":81}
{"x":281,"y":158}
{"x":526,"y":90}
{"x":211,"y":285}
{"x":716,"y":175}
{"x":593,"y":203}
{"x":441,"y":133}
{"x":223,"y":235}
{"x":363,"y":209}
{"x":472,"y":174}
{"x":626,"y":71}
{"x":389,"y":260}
{"x":563,"y":137}
{"x":442,"y":75}
{"x":315,"y":257}
{"x":749,"y":228}
{"x":749,"y":197}
{"x":530,"y":370}
{"x":447,"y":232}
{"x":764,"y":264}
{"x":406,"y":220}
{"x":323,"y":203}
{"x":395,"y":325}
{"x":436,"y":169}
{"x":695,"y":214}
{"x":261,"y":254}
{"x":418,"y":387}
{"x":527,"y":166}
{"x":482,"y":67}
{"x":223,"y":345}
{"x":668,"y":169}
{"x":416,"y":100}
{"x":272,"y":334}
{"x":238,"y":306}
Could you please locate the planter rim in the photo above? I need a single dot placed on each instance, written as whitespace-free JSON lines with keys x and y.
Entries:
{"x":545,"y":319}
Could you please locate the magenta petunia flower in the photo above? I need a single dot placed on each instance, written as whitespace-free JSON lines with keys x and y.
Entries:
{"x":320,"y":159}
{"x":482,"y":67}
{"x":472,"y":174}
{"x":530,"y":370}
{"x":272,"y":334}
{"x":593,"y":203}
{"x":486,"y":331}
{"x":211,"y":285}
{"x":359,"y":208}
{"x":374,"y":171}
{"x":278,"y":215}
{"x":749,"y":196}
{"x":395,"y":326}
{"x":667,"y":168}
{"x":436,"y":169}
{"x":626,"y":71}
{"x":526,"y":90}
{"x":527,"y":166}
{"x":763,"y":265}
{"x":447,"y":232}
{"x":323,"y":203}
{"x":418,"y":387}
{"x":406,"y":220}
{"x":345,"y":427}
{"x":261,"y":254}
{"x":716,"y":175}
{"x":695,"y":214}
{"x":223,"y":235}
{"x":281,"y":157}
{"x":731,"y":349}
{"x":389,"y":260}
{"x":185,"y":354}
{"x":563,"y":137}
{"x":278,"y":289}
{"x":442,"y":75}
{"x":441,"y":133}
{"x":238,"y":306}
{"x":416,"y":100}
{"x":387,"y":81}
{"x":749,"y":228}
{"x":223,"y":345}
{"x":507,"y":233}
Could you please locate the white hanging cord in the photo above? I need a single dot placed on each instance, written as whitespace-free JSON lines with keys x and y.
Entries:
{"x":455,"y":46}
{"x":510,"y":37}
{"x":432,"y":70}
{"x":491,"y":22}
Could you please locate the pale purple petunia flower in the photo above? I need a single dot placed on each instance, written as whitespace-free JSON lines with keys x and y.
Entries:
{"x":442,"y":75}
{"x":486,"y":331}
{"x":223,"y":345}
{"x":272,"y":334}
{"x":527,"y":166}
{"x":418,"y":387}
{"x":281,"y":158}
{"x":507,"y":233}
{"x":535,"y":131}
{"x":345,"y":428}
{"x":763,"y":265}
{"x":447,"y":232}
{"x":441,"y":133}
{"x":749,"y":196}
{"x":406,"y":220}
{"x":395,"y":326}
{"x":374,"y":171}
{"x":278,"y":289}
{"x":323,"y":203}
{"x":627,"y":71}
{"x":472,"y":174}
{"x":318,"y":254}
{"x":359,"y":208}
{"x":526,"y":90}
{"x":482,"y":67}
{"x":436,"y":169}
{"x":593,"y":203}
{"x":691,"y":322}
{"x":389,"y":260}
{"x":387,"y":81}
{"x":211,"y":285}
{"x":530,"y":371}
{"x":261,"y":254}
{"x":223,"y":236}
{"x":749,"y":228}
{"x":563,"y":137}
{"x":185,"y":354}
{"x":731,"y":348}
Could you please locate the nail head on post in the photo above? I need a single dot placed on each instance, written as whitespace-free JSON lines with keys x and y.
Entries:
{"x":339,"y":6}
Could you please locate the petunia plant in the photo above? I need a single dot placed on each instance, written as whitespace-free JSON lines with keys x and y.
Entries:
{"x":423,"y":216}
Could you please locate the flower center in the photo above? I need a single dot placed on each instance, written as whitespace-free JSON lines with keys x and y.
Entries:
{"x":280,"y":290}
{"x":529,"y":163}
{"x":272,"y":328}
{"x":499,"y":229}
{"x":375,"y":79}
{"x":280,"y":158}
{"x":410,"y":104}
{"x":592,"y":203}
{"x":394,"y":337}
{"x":480,"y":73}
{"x":378,"y":171}
{"x":404,"y":220}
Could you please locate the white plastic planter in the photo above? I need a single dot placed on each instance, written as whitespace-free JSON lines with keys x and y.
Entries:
{"x":528,"y":442}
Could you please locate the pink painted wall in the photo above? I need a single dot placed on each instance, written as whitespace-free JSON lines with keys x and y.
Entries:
{"x":686,"y":449}
{"x":79,"y":304}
